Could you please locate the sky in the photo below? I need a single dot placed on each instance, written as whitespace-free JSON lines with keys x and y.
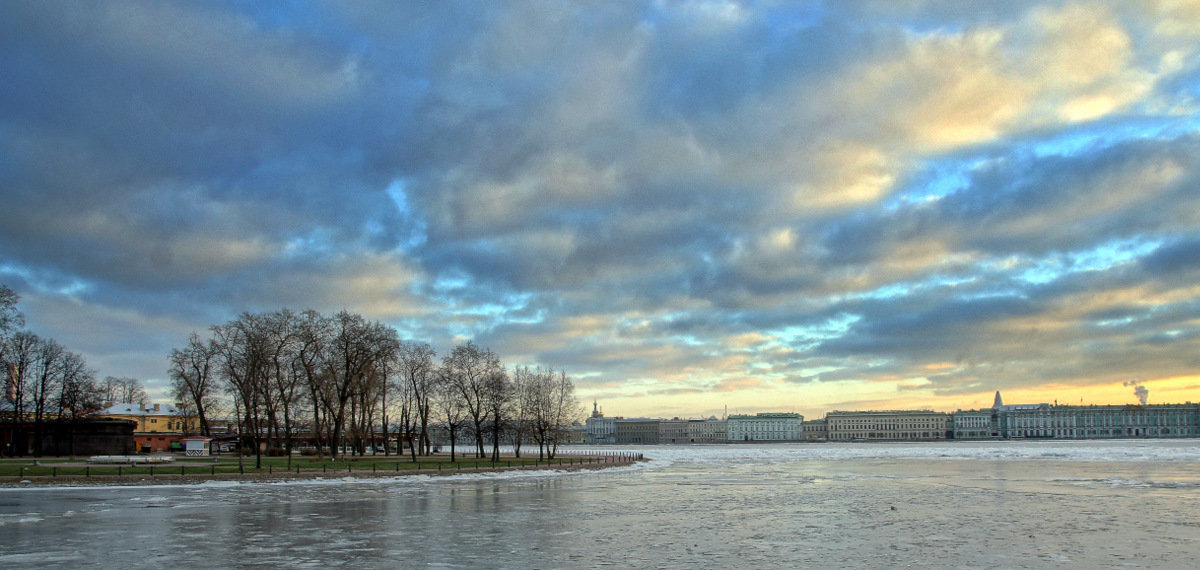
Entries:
{"x":690,"y":207}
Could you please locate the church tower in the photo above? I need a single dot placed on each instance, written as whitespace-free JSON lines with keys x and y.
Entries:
{"x":999,"y":402}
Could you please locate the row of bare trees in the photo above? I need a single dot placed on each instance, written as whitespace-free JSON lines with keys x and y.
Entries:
{"x":43,"y":380}
{"x":347,"y":382}
{"x":473,"y":391}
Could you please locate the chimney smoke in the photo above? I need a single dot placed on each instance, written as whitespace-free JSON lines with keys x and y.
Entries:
{"x":1143,"y":395}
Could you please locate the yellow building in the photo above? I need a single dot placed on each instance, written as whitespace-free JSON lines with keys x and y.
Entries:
{"x":159,"y":427}
{"x":887,"y":425}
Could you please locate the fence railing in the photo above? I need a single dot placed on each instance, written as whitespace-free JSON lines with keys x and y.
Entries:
{"x":400,"y":466}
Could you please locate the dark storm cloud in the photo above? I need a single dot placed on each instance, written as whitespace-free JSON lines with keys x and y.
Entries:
{"x":703,"y":194}
{"x":169,"y":139}
{"x":1180,"y":259}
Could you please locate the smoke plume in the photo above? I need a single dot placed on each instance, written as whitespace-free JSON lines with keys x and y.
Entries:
{"x":1138,"y":390}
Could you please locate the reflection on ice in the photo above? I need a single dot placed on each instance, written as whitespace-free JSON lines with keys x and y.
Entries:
{"x":1184,"y":450}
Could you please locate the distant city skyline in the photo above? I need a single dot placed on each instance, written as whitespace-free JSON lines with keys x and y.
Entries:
{"x":817,"y":413}
{"x":802,"y":206}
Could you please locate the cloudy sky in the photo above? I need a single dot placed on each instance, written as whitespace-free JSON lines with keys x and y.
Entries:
{"x":686,"y":205}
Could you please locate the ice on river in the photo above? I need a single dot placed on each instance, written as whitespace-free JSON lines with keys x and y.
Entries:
{"x":954,"y":504}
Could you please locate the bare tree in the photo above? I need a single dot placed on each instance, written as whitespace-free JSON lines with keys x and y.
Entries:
{"x":565,"y":409}
{"x":20,"y":353}
{"x":284,"y":377}
{"x":469,"y":368}
{"x":10,"y":317}
{"x":555,"y":407}
{"x":448,"y":405}
{"x":313,"y":332}
{"x":79,"y":394}
{"x":498,"y":400}
{"x":356,"y":375}
{"x":356,"y":347}
{"x":398,"y":411}
{"x":540,"y":408}
{"x":242,"y":351}
{"x":524,"y":406}
{"x":43,"y":380}
{"x":348,"y":359}
{"x":193,"y":377}
{"x":382,"y":381}
{"x":45,"y":375}
{"x":368,"y":406}
{"x":123,"y":391}
{"x":417,"y":372}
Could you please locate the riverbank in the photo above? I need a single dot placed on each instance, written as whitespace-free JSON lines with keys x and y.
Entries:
{"x":74,"y":473}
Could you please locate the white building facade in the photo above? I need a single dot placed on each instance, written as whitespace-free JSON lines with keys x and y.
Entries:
{"x":765,"y":427}
{"x":601,"y":430}
{"x":1098,"y":422}
{"x":973,"y":424}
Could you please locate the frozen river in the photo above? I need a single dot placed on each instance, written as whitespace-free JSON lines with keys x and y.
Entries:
{"x":963,"y":505}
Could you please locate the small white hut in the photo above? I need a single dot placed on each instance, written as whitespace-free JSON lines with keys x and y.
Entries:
{"x":196,"y":446}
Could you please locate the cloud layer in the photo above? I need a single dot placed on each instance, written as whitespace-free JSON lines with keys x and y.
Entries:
{"x":685,"y":205}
